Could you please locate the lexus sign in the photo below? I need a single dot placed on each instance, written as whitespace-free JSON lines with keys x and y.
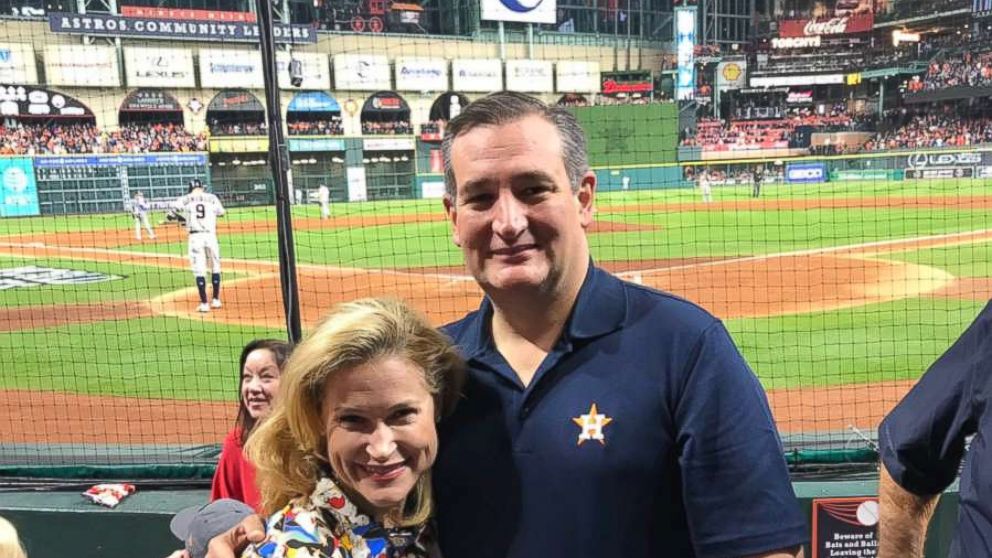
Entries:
{"x":922,"y":160}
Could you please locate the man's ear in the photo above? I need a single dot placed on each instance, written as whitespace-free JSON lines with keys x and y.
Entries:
{"x":586,"y":197}
{"x":452,"y":213}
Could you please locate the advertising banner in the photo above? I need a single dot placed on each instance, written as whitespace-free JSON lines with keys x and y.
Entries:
{"x":159,"y":67}
{"x":685,"y":48}
{"x":316,"y":71}
{"x":615,"y":84}
{"x":224,"y":69}
{"x":357,"y":187}
{"x":111,"y":25}
{"x":577,"y":77}
{"x":872,"y":174}
{"x":845,"y":527}
{"x":150,"y":100}
{"x":984,"y":172}
{"x":388,"y":144}
{"x":18,"y":191}
{"x":805,"y":173}
{"x":477,"y":75}
{"x":361,"y":72}
{"x":421,"y":74}
{"x":235,"y":100}
{"x":315,"y":144}
{"x":936,"y":172}
{"x":803,"y":97}
{"x":21,"y":101}
{"x":731,"y":74}
{"x":959,"y":159}
{"x":787,"y":81}
{"x":529,"y":76}
{"x":526,"y":11}
{"x":17,"y":65}
{"x":843,"y":25}
{"x":313,"y":101}
{"x":82,"y":66}
{"x":187,"y":14}
{"x":144,"y":160}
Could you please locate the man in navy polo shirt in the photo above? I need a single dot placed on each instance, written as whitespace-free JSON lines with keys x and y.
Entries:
{"x":600,"y":418}
{"x":922,"y":442}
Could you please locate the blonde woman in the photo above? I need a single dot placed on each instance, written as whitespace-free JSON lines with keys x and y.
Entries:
{"x":343,"y":462}
{"x":10,"y":543}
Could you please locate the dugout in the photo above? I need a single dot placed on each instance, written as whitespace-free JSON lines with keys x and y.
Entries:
{"x":388,"y":147}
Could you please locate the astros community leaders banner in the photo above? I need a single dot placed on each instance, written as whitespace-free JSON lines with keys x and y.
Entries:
{"x":110,"y":25}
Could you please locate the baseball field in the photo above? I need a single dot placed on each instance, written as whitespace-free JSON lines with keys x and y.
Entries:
{"x":839,"y":295}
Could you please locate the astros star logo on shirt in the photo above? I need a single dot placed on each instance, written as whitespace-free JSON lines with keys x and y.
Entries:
{"x":591,"y":425}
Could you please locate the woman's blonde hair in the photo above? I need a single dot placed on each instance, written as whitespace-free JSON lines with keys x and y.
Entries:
{"x":289,"y":448}
{"x":10,"y":543}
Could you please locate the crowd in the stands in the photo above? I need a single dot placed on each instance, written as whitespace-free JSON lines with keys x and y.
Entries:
{"x":387,"y":128}
{"x":332,"y":127}
{"x":219,"y":128}
{"x":67,"y":139}
{"x":933,"y":130}
{"x":971,"y":69}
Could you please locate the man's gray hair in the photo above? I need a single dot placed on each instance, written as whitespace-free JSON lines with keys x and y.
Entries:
{"x":505,"y":107}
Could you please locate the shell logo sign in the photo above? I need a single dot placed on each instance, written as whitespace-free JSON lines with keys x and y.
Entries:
{"x":732,"y":71}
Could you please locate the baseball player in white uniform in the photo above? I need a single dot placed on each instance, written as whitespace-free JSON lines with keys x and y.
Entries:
{"x":201,"y":211}
{"x":324,"y":197}
{"x":704,"y":186}
{"x":139,"y":210}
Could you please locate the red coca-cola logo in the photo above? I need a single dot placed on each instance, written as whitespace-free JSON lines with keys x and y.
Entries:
{"x":833,"y":26}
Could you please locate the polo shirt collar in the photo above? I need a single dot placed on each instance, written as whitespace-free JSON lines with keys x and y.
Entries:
{"x":600,"y":308}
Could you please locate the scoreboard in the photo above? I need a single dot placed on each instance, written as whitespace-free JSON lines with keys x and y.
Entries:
{"x":106,"y":183}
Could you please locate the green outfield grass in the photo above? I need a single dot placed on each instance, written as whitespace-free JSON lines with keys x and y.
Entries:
{"x":879,"y":342}
{"x":188,"y":358}
{"x":156,"y":357}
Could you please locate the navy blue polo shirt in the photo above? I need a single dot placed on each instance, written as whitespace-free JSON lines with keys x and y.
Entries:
{"x":922,"y":441}
{"x":642,"y":434}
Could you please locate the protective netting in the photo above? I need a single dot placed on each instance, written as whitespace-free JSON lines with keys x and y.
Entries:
{"x":843,"y":238}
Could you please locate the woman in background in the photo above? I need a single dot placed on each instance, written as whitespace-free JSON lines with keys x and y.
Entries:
{"x":262,"y":361}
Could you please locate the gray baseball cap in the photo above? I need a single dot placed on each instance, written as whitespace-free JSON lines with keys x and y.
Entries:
{"x":196,"y":525}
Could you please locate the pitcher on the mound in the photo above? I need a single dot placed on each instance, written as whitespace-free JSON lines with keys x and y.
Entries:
{"x":201,"y":210}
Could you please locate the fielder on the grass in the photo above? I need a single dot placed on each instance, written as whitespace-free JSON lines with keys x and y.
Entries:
{"x":200,"y":210}
{"x":139,"y":210}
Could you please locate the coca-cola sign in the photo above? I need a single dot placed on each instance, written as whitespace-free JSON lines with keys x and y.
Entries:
{"x":860,"y":23}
